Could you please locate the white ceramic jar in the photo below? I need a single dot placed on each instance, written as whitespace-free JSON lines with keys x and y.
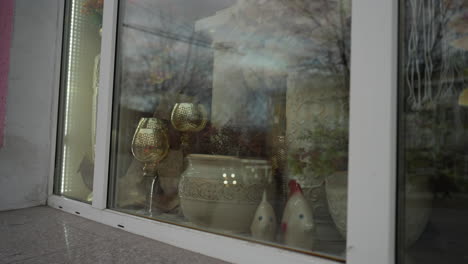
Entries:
{"x":417,"y":211}
{"x":223,"y":192}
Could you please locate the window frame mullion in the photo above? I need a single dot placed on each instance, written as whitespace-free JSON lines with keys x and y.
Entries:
{"x":373,"y":132}
{"x":104,"y":107}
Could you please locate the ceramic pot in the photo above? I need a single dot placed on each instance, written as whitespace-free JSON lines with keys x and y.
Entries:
{"x":336,"y":188}
{"x":326,"y":236}
{"x":223,"y":192}
{"x":418,"y":205}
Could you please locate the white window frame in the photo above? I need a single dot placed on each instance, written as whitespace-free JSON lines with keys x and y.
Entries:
{"x":372,"y":161}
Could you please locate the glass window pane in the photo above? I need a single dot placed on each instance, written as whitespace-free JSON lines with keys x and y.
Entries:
{"x":433,"y":119}
{"x":78,"y":94}
{"x":231,"y":116}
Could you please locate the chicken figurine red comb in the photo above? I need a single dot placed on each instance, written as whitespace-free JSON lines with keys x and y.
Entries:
{"x":294,"y":187}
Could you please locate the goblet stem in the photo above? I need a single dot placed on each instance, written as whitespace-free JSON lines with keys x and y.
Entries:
{"x":151,"y":194}
{"x":151,"y":184}
{"x":184,"y":141}
{"x":150,"y":173}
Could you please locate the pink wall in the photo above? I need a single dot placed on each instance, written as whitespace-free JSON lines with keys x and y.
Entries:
{"x":6,"y":32}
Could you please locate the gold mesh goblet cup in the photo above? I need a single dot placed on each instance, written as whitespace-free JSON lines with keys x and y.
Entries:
{"x":150,"y":145}
{"x":188,"y":117}
{"x":150,"y":142}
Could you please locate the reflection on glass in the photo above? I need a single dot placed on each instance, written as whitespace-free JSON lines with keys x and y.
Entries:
{"x":78,"y":97}
{"x":433,"y":154}
{"x":255,"y":96}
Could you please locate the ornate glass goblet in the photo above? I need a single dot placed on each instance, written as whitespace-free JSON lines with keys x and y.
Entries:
{"x":188,"y":117}
{"x":150,"y":145}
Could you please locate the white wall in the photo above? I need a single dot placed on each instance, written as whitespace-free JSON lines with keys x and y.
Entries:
{"x":25,"y":156}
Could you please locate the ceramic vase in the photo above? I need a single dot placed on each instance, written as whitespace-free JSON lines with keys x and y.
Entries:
{"x":314,"y":98}
{"x":417,"y":212}
{"x":223,"y":192}
{"x":337,"y":198}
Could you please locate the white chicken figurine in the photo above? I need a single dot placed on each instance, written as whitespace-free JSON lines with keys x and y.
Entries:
{"x":264,"y":222}
{"x":297,"y":223}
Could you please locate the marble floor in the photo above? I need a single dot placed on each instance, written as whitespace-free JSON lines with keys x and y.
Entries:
{"x":47,"y":235}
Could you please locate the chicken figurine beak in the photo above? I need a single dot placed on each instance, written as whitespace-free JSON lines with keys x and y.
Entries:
{"x":297,"y":223}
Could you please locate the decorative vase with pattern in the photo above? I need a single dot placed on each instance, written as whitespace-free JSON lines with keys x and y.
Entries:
{"x":313,"y":98}
{"x":223,"y":192}
{"x":417,"y":212}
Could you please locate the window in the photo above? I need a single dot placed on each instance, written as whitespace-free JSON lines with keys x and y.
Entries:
{"x":433,"y":118}
{"x":214,"y":115}
{"x":232,"y":117}
{"x":74,"y":166}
